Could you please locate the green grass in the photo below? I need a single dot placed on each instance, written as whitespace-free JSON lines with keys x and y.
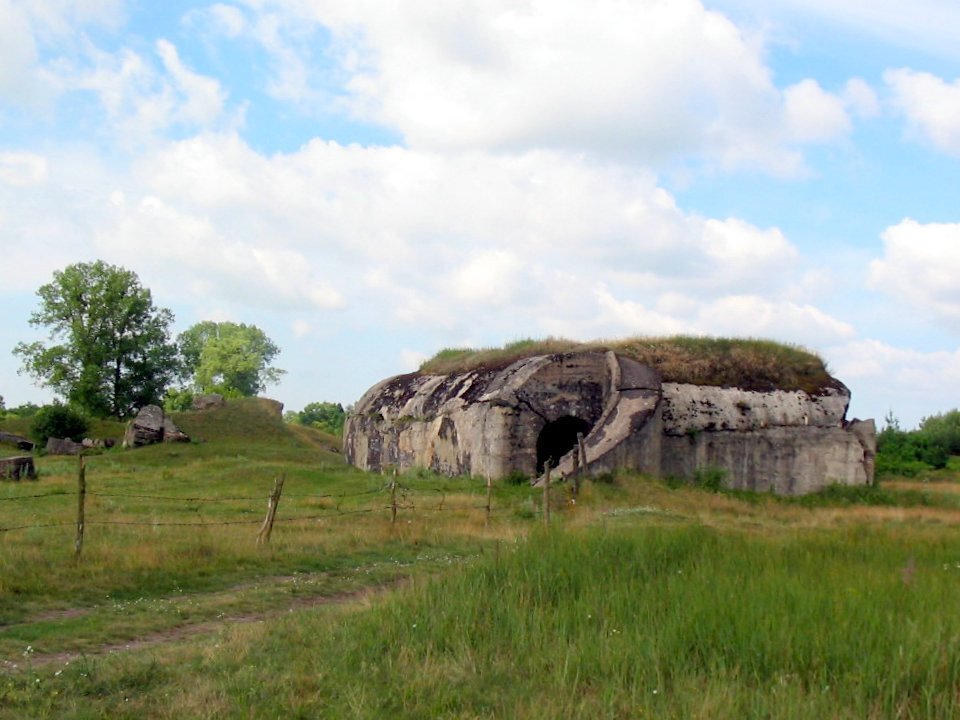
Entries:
{"x":625,"y":620}
{"x":643,"y":599}
{"x":752,"y":364}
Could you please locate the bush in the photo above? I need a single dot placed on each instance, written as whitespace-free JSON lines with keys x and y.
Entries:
{"x":326,"y":416}
{"x":516,"y":477}
{"x":911,"y":453}
{"x":710,"y":478}
{"x":177,"y":400}
{"x":58,"y":421}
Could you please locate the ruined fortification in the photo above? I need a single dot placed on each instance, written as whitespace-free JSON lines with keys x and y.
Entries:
{"x":493,"y":421}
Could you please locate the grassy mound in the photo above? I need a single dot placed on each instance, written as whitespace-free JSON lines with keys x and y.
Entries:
{"x":747,"y":363}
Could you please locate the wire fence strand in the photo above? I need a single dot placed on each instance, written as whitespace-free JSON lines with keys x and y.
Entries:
{"x":407,"y":503}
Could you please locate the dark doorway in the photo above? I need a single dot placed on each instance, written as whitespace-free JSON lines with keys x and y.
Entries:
{"x":557,"y":439}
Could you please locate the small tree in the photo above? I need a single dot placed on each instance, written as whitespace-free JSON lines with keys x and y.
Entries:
{"x":58,"y":421}
{"x":228,"y":358}
{"x":112,"y":353}
{"x":326,"y":416}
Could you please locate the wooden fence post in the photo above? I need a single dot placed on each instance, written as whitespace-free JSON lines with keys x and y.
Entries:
{"x":581,"y":465}
{"x":81,"y":500}
{"x":489,"y":495}
{"x":264,"y":535}
{"x":546,"y":493}
{"x":393,"y":499}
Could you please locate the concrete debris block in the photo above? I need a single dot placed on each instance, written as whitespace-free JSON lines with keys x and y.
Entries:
{"x":17,"y":468}
{"x":208,"y":402}
{"x":21,"y":442}
{"x":151,"y":426}
{"x":63,"y":446}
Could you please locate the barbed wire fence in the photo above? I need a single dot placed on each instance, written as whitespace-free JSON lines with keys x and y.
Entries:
{"x":399,"y":498}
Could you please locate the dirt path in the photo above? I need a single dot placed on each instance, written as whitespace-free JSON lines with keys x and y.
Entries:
{"x":189,"y":631}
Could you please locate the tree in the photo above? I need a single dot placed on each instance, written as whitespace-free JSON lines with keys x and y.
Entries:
{"x":229,"y":358}
{"x":326,"y":416}
{"x":113,"y":353}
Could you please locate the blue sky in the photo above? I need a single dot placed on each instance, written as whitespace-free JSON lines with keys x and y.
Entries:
{"x":369,"y":182}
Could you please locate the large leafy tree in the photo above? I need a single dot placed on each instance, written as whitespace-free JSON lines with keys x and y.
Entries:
{"x":110,"y":351}
{"x":229,"y":358}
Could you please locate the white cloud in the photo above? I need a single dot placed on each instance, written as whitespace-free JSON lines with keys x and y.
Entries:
{"x":434,"y":241}
{"x":173,"y":244}
{"x":932,"y":107}
{"x":812,"y":114}
{"x":647,"y":81}
{"x":27,"y":28}
{"x":753,"y":316}
{"x":925,"y":25}
{"x":200,"y":99}
{"x":410,"y":360}
{"x":920,"y":265}
{"x":911,"y":383}
{"x":22,"y":169}
{"x":860,"y":99}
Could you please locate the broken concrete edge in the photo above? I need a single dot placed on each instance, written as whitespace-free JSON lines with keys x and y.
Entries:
{"x":18,"y":467}
{"x":20,"y":442}
{"x":400,"y":422}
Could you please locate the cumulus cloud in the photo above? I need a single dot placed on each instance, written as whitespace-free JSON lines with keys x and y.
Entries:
{"x":920,"y":265}
{"x":423,"y":240}
{"x":650,"y":82}
{"x":908,"y":382}
{"x":812,"y":114}
{"x":931,"y":106}
{"x":754,"y":316}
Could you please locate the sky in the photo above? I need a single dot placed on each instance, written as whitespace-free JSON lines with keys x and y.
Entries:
{"x":371,"y":181}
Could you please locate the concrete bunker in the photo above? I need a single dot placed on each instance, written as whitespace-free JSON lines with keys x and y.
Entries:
{"x":495,"y":420}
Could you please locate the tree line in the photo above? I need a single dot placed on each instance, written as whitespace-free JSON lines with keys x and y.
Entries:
{"x":110,"y":350}
{"x":911,"y":452}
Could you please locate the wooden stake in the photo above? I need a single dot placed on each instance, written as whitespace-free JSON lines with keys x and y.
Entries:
{"x":272,"y":503}
{"x":546,"y":493}
{"x":393,"y":499}
{"x":581,"y":465}
{"x":81,"y":500}
{"x":489,"y":494}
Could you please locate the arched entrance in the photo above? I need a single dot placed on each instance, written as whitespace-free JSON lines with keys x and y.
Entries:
{"x":557,"y":439}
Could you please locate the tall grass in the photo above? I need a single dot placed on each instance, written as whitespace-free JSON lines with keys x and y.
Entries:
{"x":749,"y":363}
{"x":619,"y":621}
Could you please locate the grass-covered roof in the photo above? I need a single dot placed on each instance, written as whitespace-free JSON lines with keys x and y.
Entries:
{"x":747,"y":363}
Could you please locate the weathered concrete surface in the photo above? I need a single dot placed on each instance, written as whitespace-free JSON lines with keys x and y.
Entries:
{"x":492,"y":422}
{"x":208,"y":402}
{"x":151,"y":426}
{"x":15,"y":468}
{"x":21,"y":442}
{"x":62,"y":446}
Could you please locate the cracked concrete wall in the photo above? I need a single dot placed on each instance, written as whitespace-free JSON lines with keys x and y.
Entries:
{"x":487,"y":422}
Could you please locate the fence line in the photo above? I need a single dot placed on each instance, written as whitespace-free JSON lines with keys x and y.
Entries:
{"x":400,"y":495}
{"x":14,"y":498}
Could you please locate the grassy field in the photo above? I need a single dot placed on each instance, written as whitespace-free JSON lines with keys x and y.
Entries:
{"x":643,"y":599}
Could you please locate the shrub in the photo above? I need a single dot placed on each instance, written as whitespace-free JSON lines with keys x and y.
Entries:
{"x":59,"y":421}
{"x":516,"y":477}
{"x":710,"y":478}
{"x":177,"y":400}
